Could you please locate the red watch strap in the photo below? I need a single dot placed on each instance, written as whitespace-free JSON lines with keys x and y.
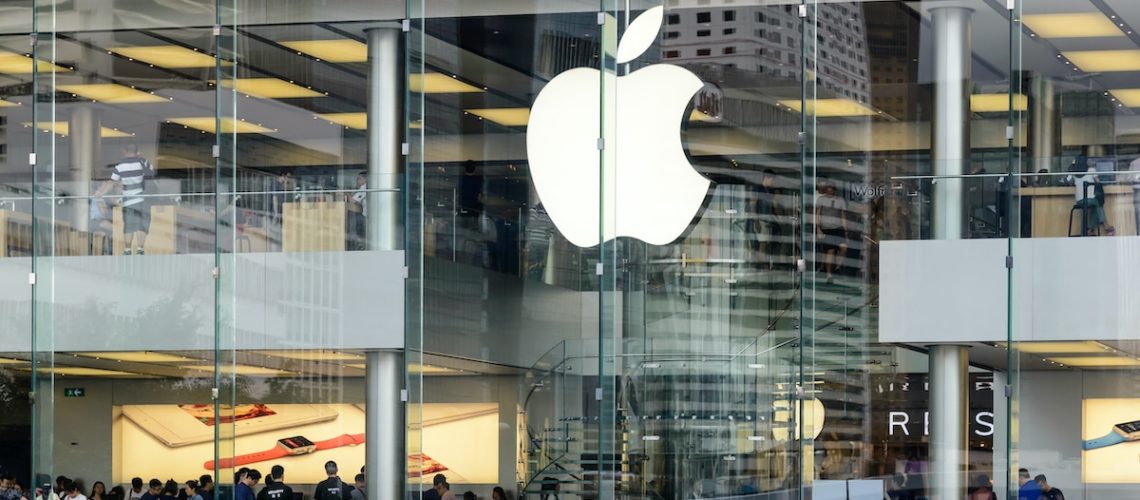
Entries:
{"x":250,"y":458}
{"x":342,"y":440}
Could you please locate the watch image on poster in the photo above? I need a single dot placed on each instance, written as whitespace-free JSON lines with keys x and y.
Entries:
{"x":173,"y":440}
{"x":1109,"y":432}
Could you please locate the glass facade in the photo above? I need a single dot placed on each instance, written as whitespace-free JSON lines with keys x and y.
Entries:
{"x":611,"y":249}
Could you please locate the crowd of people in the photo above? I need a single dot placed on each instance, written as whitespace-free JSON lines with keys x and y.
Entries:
{"x":202,"y":488}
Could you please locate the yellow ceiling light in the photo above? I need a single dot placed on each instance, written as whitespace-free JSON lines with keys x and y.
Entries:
{"x":357,"y":121}
{"x":111,"y":93}
{"x":700,"y":116}
{"x":509,"y":117}
{"x":313,"y":355}
{"x":1071,"y":25}
{"x":269,"y":88}
{"x":830,"y":107}
{"x":337,"y":51}
{"x":1127,"y":97}
{"x":86,"y":372}
{"x":137,"y":356}
{"x":19,"y":64}
{"x":8,"y":104}
{"x":1096,"y":361}
{"x":62,"y":129}
{"x":167,"y":56}
{"x":229,"y":125}
{"x":1086,"y":347}
{"x":238,"y":369}
{"x":990,"y":103}
{"x":1104,"y":60}
{"x":10,"y":361}
{"x":436,"y":83}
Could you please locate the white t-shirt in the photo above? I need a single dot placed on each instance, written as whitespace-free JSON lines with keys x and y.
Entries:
{"x":132,"y":494}
{"x":1081,"y":184}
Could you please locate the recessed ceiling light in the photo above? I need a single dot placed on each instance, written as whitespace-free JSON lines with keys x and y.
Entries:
{"x":137,"y":356}
{"x":510,"y":117}
{"x":357,"y":121}
{"x":62,"y":128}
{"x":1071,"y":25}
{"x":1105,"y":60}
{"x":337,"y":51}
{"x":269,"y":88}
{"x":989,"y":103}
{"x":830,"y":107}
{"x":229,"y":125}
{"x":168,"y":56}
{"x":19,"y":64}
{"x":436,"y":83}
{"x":111,"y":93}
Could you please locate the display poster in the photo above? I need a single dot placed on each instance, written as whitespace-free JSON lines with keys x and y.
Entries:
{"x":1115,"y":463}
{"x":177,"y":441}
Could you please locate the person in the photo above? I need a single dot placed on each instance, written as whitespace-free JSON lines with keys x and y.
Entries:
{"x":360,"y":487}
{"x":1048,"y":492}
{"x":154,"y":490}
{"x":169,"y":490}
{"x":60,"y":484}
{"x":117,"y":493}
{"x":982,"y":489}
{"x":98,"y":491}
{"x":469,"y":495}
{"x":191,"y":490}
{"x":275,"y":487}
{"x":101,"y":219}
{"x":244,"y":489}
{"x":240,"y":475}
{"x":332,"y":488}
{"x":1027,"y":488}
{"x":8,"y":488}
{"x":768,"y":214}
{"x":279,"y":188}
{"x":131,"y":173}
{"x":206,"y":487}
{"x":444,"y":490}
{"x":355,"y":205}
{"x":1084,"y":185}
{"x":137,"y":490}
{"x":1134,"y":179}
{"x":831,"y":228}
{"x":432,"y":493}
{"x":498,"y":493}
{"x":71,"y":490}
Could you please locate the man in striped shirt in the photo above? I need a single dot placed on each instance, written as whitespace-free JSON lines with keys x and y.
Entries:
{"x":131,"y":174}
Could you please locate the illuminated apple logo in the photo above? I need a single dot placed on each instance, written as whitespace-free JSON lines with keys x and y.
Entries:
{"x":651,"y":192}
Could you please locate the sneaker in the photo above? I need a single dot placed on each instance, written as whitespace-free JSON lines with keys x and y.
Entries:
{"x":126,"y":251}
{"x":140,"y":252}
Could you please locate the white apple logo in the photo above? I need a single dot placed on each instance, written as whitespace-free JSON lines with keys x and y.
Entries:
{"x":651,"y":190}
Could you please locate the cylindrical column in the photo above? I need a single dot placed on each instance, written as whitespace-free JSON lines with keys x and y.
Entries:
{"x":384,"y":424}
{"x":385,"y":131}
{"x":950,"y":144}
{"x":1043,"y":136}
{"x":949,"y":401}
{"x":83,"y":129}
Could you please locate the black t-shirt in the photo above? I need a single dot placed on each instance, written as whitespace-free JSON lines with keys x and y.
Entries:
{"x":1052,"y":494}
{"x":430,"y":494}
{"x":276,"y":491}
{"x":332,"y":489}
{"x":470,"y":187}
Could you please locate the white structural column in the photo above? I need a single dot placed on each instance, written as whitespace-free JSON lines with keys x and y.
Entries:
{"x":950,"y":153}
{"x":949,"y":400}
{"x":950,"y":144}
{"x":385,"y":130}
{"x":83,"y":129}
{"x":384,"y":424}
{"x":1043,"y":124}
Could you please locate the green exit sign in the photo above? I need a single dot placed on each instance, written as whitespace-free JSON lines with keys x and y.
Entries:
{"x":74,"y":392}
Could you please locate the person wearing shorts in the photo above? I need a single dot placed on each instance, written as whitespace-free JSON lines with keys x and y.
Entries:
{"x":831,"y":228}
{"x":131,"y":173}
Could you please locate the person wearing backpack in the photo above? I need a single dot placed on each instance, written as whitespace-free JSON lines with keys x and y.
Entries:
{"x":332,"y":488}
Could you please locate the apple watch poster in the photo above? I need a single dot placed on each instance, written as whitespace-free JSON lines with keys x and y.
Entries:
{"x":176,"y":440}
